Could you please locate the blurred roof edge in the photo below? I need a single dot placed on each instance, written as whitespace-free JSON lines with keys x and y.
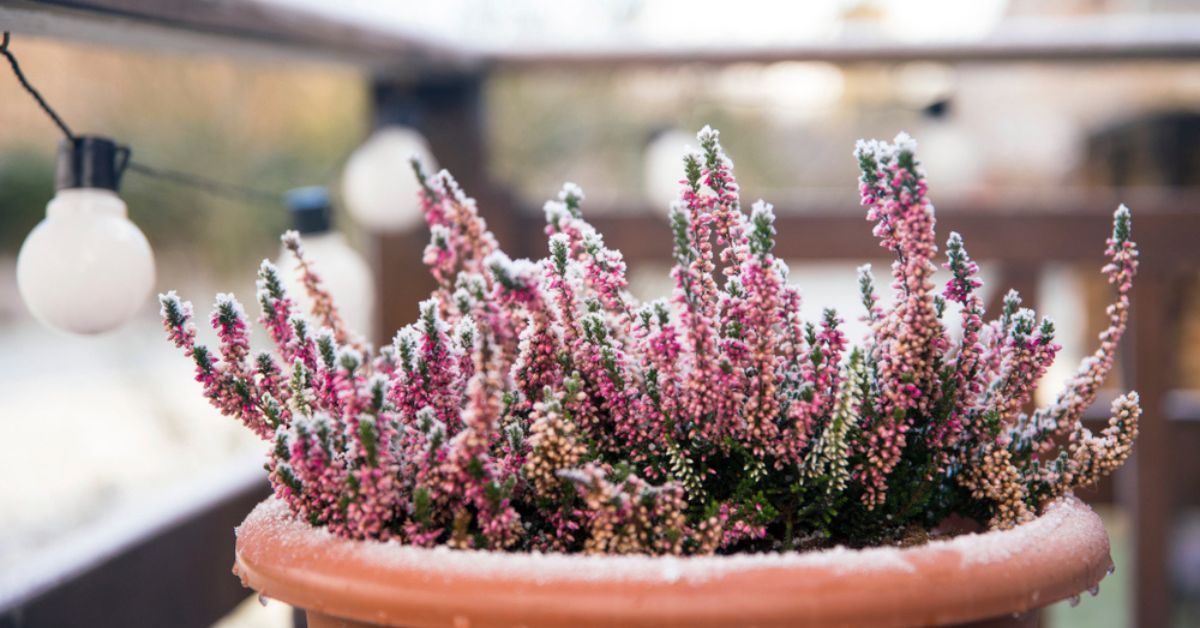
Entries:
{"x":1113,"y":37}
{"x":248,"y":28}
{"x":277,"y":31}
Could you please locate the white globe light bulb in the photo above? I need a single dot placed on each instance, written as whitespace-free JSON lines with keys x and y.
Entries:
{"x":344,"y":273}
{"x":378,"y":184}
{"x":662,"y":166}
{"x":86,"y":268}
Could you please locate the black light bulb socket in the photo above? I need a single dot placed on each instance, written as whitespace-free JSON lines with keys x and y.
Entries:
{"x":311,"y":209}
{"x":90,"y":161}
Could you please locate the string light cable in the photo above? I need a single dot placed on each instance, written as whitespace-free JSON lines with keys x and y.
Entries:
{"x":86,"y":250}
{"x":86,"y":268}
{"x":125,"y":161}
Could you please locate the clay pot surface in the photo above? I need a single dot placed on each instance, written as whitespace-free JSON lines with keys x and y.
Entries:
{"x":972,"y":577}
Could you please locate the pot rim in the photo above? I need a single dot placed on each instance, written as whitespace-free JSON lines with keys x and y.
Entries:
{"x":969,"y":577}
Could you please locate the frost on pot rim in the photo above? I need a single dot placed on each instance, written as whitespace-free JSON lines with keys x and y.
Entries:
{"x":998,"y":574}
{"x":538,"y":406}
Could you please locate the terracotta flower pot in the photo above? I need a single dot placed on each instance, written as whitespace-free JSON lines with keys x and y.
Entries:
{"x":970,"y":578}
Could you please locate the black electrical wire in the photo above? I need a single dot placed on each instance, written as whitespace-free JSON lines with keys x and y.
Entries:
{"x":217,"y":188}
{"x":186,"y":179}
{"x":16,"y":67}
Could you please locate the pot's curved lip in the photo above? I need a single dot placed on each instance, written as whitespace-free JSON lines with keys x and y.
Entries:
{"x":969,"y":577}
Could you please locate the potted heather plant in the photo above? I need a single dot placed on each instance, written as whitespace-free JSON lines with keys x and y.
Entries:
{"x":541,"y":449}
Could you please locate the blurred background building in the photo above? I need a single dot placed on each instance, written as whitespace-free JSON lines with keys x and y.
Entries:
{"x":1033,"y":118}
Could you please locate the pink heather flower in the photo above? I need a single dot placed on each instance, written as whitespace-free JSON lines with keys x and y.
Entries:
{"x":826,"y":358}
{"x":603,"y":269}
{"x":323,"y":308}
{"x":996,"y":336}
{"x":538,"y":406}
{"x":697,"y":219}
{"x":1062,"y":415}
{"x":604,"y":274}
{"x":440,"y":257}
{"x":967,"y":362}
{"x":473,"y":240}
{"x":229,"y":320}
{"x":536,"y":367}
{"x":660,"y":350}
{"x":908,"y":339}
{"x":822,"y":378}
{"x":431,"y":196}
{"x":276,"y":309}
{"x":1026,"y":358}
{"x":229,"y":383}
{"x":177,"y":320}
{"x":563,"y":216}
{"x":759,"y":328}
{"x":729,"y":224}
{"x":431,"y":374}
{"x":738,"y":527}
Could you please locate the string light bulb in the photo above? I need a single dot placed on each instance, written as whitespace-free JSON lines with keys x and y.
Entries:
{"x":85,"y":268}
{"x":660,"y":166}
{"x":378,"y":184}
{"x":344,"y":272}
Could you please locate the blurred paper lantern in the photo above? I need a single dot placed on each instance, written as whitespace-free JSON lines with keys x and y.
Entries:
{"x":378,"y":183}
{"x":924,"y":21}
{"x":662,"y":166}
{"x":344,"y":272}
{"x":788,"y":91}
{"x":802,"y":90}
{"x":85,"y":268}
{"x":950,"y":158}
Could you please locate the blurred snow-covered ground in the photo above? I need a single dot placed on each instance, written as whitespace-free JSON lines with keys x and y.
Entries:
{"x":89,"y":425}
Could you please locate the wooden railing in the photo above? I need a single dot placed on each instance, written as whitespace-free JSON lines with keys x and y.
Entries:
{"x":162,"y":563}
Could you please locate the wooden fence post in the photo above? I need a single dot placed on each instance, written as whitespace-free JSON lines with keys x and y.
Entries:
{"x":449,"y":110}
{"x":1144,"y":489}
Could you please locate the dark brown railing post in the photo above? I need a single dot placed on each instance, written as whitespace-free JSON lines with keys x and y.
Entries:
{"x":449,"y":110}
{"x":1145,"y":487}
